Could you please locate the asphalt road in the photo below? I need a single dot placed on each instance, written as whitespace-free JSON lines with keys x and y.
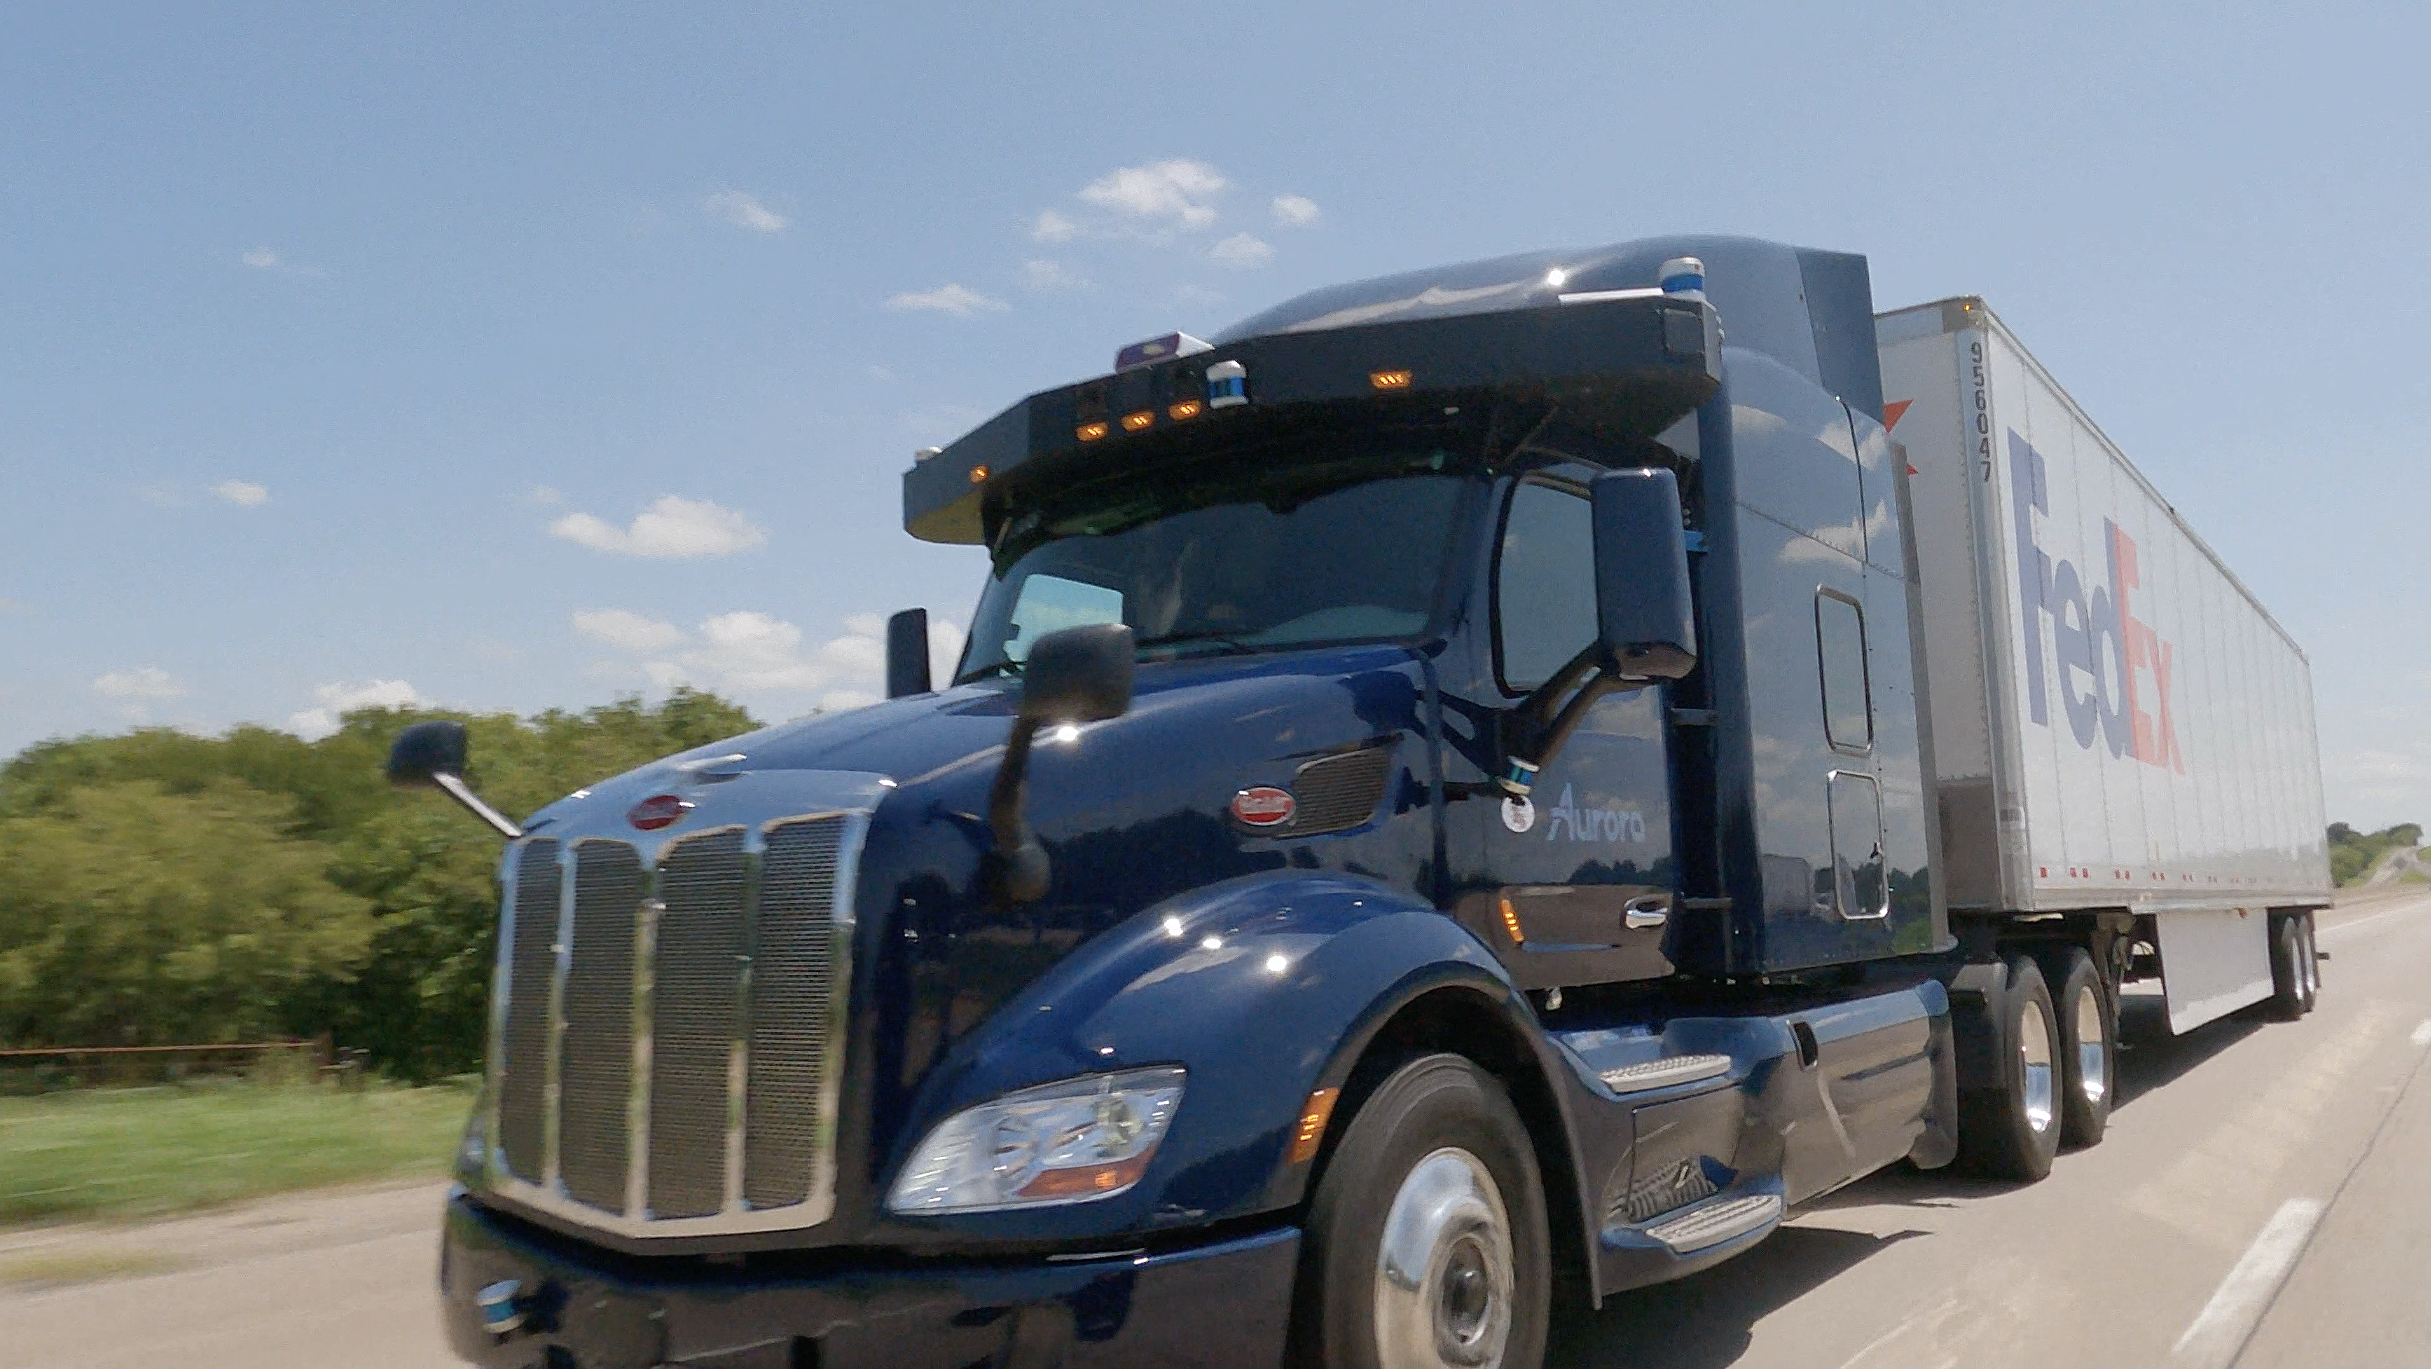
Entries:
{"x":2265,"y":1208}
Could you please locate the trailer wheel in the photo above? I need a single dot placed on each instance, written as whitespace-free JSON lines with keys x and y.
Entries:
{"x":2295,"y":978}
{"x":1427,"y":1243}
{"x":2088,"y":1051}
{"x":2008,"y":1121}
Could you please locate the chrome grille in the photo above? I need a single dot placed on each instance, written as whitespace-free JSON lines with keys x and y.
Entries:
{"x":523,"y":1047}
{"x":669,"y":1018}
{"x":595,"y":1066}
{"x":695,"y":1009}
{"x":789,"y":1067}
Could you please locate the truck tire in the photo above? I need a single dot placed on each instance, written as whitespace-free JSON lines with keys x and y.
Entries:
{"x":2089,"y":1050}
{"x":2294,"y":973}
{"x":2008,"y":1121}
{"x":1426,"y":1243}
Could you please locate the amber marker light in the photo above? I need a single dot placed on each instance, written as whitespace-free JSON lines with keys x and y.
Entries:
{"x":1133,"y":422}
{"x":1510,"y":922}
{"x":1188,"y":408}
{"x":1090,"y":432}
{"x":979,"y":475}
{"x":1311,"y":1132}
{"x":1389,"y":380}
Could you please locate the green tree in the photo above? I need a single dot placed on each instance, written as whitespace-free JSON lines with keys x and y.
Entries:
{"x":134,"y":915}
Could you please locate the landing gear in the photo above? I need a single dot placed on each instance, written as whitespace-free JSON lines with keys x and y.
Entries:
{"x":1426,"y":1245}
{"x":2008,"y":1102}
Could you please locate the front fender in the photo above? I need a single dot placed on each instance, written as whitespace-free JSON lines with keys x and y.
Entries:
{"x":1261,"y":987}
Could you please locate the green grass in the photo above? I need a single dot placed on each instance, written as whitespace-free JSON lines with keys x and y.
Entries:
{"x":89,"y":1266}
{"x":131,"y":1153}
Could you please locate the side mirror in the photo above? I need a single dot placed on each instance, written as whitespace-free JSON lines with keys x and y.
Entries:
{"x":907,"y":653}
{"x":1078,"y":675}
{"x":425,"y":751}
{"x":431,"y":756}
{"x":1643,"y":607}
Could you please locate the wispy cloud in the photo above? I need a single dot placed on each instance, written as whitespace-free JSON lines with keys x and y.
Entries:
{"x":1242,"y":252}
{"x":264,"y":259}
{"x":336,"y":700}
{"x":144,"y":682}
{"x":543,"y":495}
{"x":1053,"y":227}
{"x":949,"y":298}
{"x":1048,"y":275}
{"x":242,"y":493}
{"x":672,"y":529}
{"x":1177,"y":190}
{"x":749,"y":652}
{"x":744,"y":210}
{"x":1296,"y":211}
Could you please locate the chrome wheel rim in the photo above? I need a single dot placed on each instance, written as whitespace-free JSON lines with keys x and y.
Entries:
{"x":1444,"y":1270}
{"x":2308,"y":964}
{"x":2034,"y":1058}
{"x":2092,"y":1061}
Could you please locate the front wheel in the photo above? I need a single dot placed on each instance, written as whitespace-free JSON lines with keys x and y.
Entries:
{"x":1426,"y":1245}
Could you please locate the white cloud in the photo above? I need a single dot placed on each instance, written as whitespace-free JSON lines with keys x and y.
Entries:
{"x":336,"y":700}
{"x":946,"y":299}
{"x":1048,"y":275}
{"x":1296,"y":211}
{"x":146,"y":682}
{"x":672,"y":529}
{"x":242,"y":493}
{"x":543,"y":494}
{"x":744,"y":211}
{"x":749,"y":652}
{"x":878,"y":373}
{"x":1242,"y":252}
{"x":262,"y":259}
{"x":1053,"y":227}
{"x":1177,"y":189}
{"x":627,"y":630}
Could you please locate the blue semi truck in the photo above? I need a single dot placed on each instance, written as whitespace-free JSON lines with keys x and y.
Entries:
{"x":1436,"y":822}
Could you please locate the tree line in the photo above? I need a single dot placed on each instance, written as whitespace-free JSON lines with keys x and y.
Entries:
{"x":167,"y":889}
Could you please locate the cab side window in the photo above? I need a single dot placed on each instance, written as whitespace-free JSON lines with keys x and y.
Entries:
{"x":1544,"y":585}
{"x":1848,"y":696}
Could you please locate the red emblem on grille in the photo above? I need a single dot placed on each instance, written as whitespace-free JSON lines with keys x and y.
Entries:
{"x":656,"y":811}
{"x":1264,"y":806}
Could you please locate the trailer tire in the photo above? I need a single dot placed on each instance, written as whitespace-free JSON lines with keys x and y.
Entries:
{"x":2008,"y":1121}
{"x":2089,"y":1050}
{"x":2294,"y":978}
{"x":1427,"y":1241}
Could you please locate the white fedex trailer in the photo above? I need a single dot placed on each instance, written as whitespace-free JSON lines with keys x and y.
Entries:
{"x":2119,"y":728}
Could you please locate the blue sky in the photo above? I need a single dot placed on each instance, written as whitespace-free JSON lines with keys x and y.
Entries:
{"x":511,"y":359}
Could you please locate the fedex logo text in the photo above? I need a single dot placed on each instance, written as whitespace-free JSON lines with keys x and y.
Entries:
{"x":2102,"y":650}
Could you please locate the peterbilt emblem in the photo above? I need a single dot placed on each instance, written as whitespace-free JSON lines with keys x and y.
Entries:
{"x":657,"y":811}
{"x":1263,"y":806}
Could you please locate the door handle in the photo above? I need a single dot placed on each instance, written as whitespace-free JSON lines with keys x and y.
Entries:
{"x":1650,"y":910}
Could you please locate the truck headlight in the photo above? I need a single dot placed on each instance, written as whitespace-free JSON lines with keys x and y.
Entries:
{"x":1084,"y":1138}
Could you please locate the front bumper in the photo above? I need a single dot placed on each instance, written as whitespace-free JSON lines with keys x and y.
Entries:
{"x":1223,"y":1304}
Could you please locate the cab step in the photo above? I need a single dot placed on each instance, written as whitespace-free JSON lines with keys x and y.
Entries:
{"x":1664,"y":1073}
{"x":1712,"y":1223}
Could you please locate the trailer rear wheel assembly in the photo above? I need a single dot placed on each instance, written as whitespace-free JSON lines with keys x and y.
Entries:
{"x":1427,"y":1243}
{"x":2008,"y":1101}
{"x":2295,"y":974}
{"x":2088,"y":1050}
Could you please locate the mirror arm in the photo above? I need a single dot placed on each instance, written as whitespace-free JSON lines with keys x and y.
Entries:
{"x":1540,"y":727}
{"x":463,"y":793}
{"x":1022,"y":873}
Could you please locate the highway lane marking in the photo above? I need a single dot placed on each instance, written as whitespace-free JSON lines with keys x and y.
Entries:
{"x":2422,"y":1035}
{"x":2341,"y":928}
{"x":2219,"y":1330}
{"x":2205,"y":1190}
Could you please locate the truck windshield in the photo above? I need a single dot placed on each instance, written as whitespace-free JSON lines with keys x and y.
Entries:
{"x":1287,"y":544}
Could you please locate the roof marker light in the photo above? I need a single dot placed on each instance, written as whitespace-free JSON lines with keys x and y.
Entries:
{"x":1227,"y":385}
{"x":1556,"y":278}
{"x":1090,"y":432}
{"x":1389,"y":380}
{"x":1133,"y":422}
{"x":1682,"y":278}
{"x":1158,"y":349}
{"x":927,"y":454}
{"x":1188,"y":408}
{"x":979,"y":475}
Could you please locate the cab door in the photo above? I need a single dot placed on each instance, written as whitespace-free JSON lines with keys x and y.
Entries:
{"x":1573,"y":885}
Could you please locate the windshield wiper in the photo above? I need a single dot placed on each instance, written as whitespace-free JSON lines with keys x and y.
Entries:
{"x":1230,"y":641}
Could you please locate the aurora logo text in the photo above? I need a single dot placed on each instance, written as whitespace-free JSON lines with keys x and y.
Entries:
{"x":1613,"y":823}
{"x":2111,"y":666}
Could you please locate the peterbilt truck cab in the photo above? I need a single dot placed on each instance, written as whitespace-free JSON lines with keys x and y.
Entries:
{"x":1431,"y":827}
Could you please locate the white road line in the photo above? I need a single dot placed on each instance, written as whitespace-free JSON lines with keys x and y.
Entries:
{"x":2342,"y":928}
{"x":2422,"y":1035}
{"x":2221,"y":1327}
